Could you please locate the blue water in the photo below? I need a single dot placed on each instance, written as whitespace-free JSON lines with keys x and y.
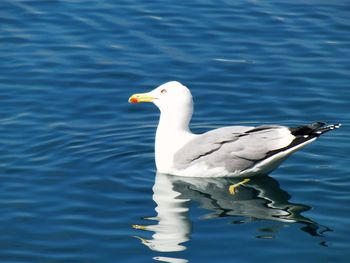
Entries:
{"x":77,"y":173}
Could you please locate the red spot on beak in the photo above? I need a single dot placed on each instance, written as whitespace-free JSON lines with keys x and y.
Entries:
{"x":133,"y":100}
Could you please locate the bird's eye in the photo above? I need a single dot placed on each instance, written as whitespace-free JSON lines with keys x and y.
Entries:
{"x":163,"y":91}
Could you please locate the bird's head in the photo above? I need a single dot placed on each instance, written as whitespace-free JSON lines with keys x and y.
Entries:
{"x":171,"y":96}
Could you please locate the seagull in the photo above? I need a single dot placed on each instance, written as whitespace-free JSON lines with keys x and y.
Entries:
{"x":232,"y":151}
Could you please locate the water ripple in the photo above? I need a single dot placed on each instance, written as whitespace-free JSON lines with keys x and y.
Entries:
{"x":76,"y":160}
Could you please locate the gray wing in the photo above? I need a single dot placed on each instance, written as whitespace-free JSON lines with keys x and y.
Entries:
{"x":235,"y":148}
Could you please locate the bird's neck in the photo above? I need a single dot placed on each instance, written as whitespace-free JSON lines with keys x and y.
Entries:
{"x":175,"y":120}
{"x":172,"y":133}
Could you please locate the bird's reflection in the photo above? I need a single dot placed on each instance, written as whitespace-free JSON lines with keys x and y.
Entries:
{"x":261,"y":198}
{"x":173,"y":225}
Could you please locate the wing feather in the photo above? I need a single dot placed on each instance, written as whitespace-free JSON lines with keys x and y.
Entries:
{"x":234,"y":148}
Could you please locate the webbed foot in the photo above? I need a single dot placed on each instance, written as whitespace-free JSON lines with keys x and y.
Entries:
{"x":233,"y":187}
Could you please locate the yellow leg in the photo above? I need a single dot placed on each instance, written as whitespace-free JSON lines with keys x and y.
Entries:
{"x":138,"y":227}
{"x":233,"y":187}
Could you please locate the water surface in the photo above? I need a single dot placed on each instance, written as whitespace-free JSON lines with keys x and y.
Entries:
{"x":78,"y":180}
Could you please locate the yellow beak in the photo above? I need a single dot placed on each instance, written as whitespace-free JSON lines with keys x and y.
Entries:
{"x":141,"y":97}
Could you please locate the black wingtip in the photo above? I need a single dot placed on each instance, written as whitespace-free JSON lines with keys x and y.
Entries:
{"x":327,"y":128}
{"x":314,"y":129}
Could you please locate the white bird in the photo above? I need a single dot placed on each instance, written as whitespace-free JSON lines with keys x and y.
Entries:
{"x":224,"y":152}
